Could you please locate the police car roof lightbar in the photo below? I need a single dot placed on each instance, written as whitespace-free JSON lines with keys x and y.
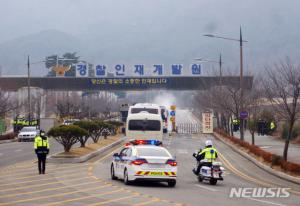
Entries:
{"x":144,"y":142}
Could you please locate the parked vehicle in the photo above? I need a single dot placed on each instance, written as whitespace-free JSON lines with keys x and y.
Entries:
{"x":28,"y":134}
{"x":70,"y":121}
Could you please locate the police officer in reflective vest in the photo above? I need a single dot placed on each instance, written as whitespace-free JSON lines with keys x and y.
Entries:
{"x":41,"y":146}
{"x":209,"y":153}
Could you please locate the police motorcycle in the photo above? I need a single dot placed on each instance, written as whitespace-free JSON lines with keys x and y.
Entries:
{"x":211,"y":172}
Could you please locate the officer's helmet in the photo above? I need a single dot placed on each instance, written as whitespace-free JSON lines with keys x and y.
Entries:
{"x":208,"y":143}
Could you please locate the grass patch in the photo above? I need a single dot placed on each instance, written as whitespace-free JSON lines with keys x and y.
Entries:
{"x":81,"y":151}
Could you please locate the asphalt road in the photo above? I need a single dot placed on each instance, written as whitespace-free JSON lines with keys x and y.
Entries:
{"x":90,"y":184}
{"x":17,"y":152}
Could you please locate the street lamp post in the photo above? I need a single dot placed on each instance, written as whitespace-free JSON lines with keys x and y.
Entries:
{"x":29,"y":83}
{"x":217,"y":62}
{"x":241,"y":41}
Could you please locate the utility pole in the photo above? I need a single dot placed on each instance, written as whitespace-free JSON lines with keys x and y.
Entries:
{"x":28,"y":89}
{"x":220,"y":64}
{"x":241,"y":86}
{"x":241,"y":105}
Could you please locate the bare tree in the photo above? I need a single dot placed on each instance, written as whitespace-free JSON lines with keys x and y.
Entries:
{"x":283,"y":90}
{"x":253,"y":102}
{"x":6,"y":104}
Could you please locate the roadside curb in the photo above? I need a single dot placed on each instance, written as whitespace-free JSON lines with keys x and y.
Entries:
{"x":84,"y":158}
{"x":7,"y":141}
{"x":259,"y":164}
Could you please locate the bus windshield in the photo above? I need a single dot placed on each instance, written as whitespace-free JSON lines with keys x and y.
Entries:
{"x":144,"y":125}
{"x":138,"y":110}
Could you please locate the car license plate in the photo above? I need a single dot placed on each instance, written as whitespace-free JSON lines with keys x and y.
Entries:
{"x":156,"y":173}
{"x":154,"y":166}
{"x":216,"y":175}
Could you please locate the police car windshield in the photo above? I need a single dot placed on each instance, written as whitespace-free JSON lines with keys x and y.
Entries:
{"x":28,"y":129}
{"x":149,"y":110}
{"x":153,"y":152}
{"x":144,"y":125}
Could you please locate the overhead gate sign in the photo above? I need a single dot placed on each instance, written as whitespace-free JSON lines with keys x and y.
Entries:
{"x":207,"y":122}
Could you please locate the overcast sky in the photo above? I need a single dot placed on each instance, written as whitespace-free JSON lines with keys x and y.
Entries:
{"x":265,"y":23}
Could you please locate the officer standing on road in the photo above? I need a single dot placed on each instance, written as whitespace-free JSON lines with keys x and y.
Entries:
{"x":41,"y":146}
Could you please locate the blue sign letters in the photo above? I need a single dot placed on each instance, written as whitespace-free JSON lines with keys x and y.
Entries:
{"x":196,"y":69}
{"x":176,"y":69}
{"x":81,"y":68}
{"x":139,"y":69}
{"x":100,"y":70}
{"x":158,"y":69}
{"x":120,"y":69}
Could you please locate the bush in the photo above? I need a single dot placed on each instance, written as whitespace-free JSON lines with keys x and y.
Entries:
{"x":8,"y":136}
{"x":276,"y":160}
{"x":267,"y":156}
{"x":67,"y":135}
{"x":113,"y":125}
{"x":89,"y":127}
{"x":291,"y":167}
{"x":295,"y":132}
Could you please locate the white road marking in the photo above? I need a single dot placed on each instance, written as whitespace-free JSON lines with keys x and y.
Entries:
{"x":18,"y":150}
{"x":265,"y":147}
{"x":265,"y":201}
{"x":182,"y":151}
{"x":207,"y":188}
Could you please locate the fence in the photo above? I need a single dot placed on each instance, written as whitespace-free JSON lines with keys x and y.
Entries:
{"x":189,"y":128}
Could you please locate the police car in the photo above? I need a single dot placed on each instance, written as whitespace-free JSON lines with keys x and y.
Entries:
{"x":144,"y":160}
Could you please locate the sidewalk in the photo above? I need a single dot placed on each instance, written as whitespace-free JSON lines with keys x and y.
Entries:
{"x":273,"y":145}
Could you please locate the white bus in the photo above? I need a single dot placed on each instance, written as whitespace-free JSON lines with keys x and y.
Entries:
{"x":144,"y":125}
{"x":146,"y":107}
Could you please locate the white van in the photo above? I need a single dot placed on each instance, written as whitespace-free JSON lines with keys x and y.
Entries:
{"x":146,"y":107}
{"x":144,"y":125}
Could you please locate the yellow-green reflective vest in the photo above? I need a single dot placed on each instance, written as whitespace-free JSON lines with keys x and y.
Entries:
{"x":210,"y":154}
{"x":40,"y":143}
{"x":272,"y":126}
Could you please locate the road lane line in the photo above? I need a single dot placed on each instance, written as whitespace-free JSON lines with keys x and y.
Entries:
{"x":55,"y":195}
{"x":207,"y":188}
{"x":38,"y":180}
{"x":49,"y":189}
{"x":113,"y":200}
{"x":35,"y":175}
{"x":34,"y":169}
{"x":106,"y":156}
{"x":148,"y":202}
{"x":251,"y":179}
{"x":29,"y":164}
{"x":82,"y":198}
{"x":39,"y":185}
{"x":265,"y":201}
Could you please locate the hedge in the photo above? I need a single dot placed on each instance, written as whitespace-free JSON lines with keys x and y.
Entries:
{"x":267,"y":156}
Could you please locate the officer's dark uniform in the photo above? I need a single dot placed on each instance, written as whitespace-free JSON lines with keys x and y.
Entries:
{"x":41,"y":146}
